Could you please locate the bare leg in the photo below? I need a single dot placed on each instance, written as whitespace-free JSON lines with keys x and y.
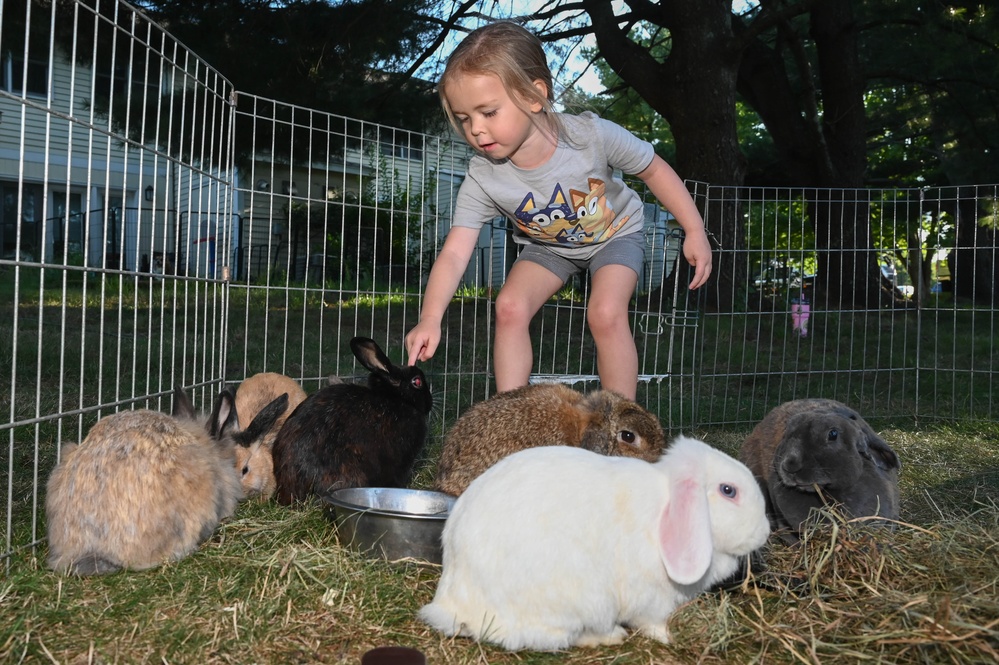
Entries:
{"x":611,"y":289}
{"x":527,"y":288}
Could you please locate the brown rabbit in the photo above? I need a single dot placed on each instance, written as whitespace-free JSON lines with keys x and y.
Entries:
{"x":544,"y":414}
{"x":144,"y":488}
{"x":807,"y":453}
{"x":255,"y":461}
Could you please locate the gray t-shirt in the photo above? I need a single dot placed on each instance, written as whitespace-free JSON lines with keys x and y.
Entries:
{"x":571,"y":203}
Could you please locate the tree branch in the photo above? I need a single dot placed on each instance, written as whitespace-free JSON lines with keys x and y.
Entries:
{"x":768,"y":18}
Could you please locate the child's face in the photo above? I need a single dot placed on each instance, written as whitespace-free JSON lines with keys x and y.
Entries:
{"x":493,"y":123}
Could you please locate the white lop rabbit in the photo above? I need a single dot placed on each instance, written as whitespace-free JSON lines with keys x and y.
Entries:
{"x":556,"y":547}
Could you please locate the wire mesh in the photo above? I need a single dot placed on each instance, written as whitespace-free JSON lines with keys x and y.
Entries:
{"x":160,"y":228}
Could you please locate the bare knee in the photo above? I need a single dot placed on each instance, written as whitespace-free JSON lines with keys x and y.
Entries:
{"x":607,"y":318}
{"x":511,"y":311}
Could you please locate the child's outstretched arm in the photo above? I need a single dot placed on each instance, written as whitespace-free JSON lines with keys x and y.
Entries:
{"x":666,"y":185}
{"x":422,"y":340}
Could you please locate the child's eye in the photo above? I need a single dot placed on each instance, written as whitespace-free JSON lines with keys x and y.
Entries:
{"x":462,"y":120}
{"x":489,"y":114}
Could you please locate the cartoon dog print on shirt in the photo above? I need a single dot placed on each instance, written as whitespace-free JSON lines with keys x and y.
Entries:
{"x":584,"y":218}
{"x":544,"y":223}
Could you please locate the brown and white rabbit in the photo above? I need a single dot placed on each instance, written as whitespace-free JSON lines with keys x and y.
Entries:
{"x":544,"y":414}
{"x":355,"y":435}
{"x":255,"y":461}
{"x":144,"y":488}
{"x":807,"y":453}
{"x":556,"y":547}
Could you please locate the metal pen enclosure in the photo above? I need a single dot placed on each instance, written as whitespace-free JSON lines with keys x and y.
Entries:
{"x":161,"y":228}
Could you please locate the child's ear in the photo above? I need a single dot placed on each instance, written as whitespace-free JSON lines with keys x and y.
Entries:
{"x":537,"y":107}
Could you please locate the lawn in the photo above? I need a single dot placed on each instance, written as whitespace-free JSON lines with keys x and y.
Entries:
{"x":274,"y":586}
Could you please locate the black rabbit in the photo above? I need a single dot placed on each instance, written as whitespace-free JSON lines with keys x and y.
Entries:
{"x":354,"y":435}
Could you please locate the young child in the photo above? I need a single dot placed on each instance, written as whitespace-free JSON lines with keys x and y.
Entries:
{"x":552,"y":176}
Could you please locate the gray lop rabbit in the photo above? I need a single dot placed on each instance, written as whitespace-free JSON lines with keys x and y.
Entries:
{"x":544,"y":414}
{"x":144,"y":488}
{"x":807,"y":453}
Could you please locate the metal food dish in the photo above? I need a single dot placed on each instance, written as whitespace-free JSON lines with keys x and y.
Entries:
{"x":389,"y":522}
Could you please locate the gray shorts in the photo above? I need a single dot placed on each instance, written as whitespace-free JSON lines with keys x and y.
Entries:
{"x":627,"y":250}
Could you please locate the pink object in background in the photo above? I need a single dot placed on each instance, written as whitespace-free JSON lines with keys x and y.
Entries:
{"x":800,"y":311}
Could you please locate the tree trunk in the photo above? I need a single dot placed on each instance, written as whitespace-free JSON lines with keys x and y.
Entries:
{"x":974,"y":264}
{"x":851,"y":279}
{"x":822,"y":144}
{"x":694,"y":90}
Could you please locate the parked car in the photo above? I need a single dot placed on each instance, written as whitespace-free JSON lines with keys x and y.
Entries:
{"x":897,"y":281}
{"x":777,"y":277}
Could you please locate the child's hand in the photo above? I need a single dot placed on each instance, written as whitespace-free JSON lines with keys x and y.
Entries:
{"x":422,"y":341}
{"x":697,"y":251}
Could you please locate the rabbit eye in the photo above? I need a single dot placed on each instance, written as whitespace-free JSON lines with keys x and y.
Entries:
{"x":728,"y":490}
{"x":627,"y":437}
{"x":416,"y":382}
{"x":246,"y":469}
{"x":833,"y":434}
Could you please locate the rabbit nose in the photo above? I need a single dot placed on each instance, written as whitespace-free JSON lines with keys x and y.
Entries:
{"x":791,"y":463}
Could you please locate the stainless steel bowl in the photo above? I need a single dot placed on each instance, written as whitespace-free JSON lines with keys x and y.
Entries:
{"x":390,"y":522}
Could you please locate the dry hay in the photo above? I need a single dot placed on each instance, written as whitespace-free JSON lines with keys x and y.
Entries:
{"x":854,"y":592}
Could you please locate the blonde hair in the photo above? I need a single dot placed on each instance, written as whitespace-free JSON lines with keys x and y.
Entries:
{"x":513,"y":54}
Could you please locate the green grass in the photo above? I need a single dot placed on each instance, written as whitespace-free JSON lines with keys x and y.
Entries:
{"x":274,"y":586}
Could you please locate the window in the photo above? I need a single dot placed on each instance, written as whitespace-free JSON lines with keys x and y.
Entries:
{"x":122,"y":80}
{"x":411,"y":149}
{"x":13,"y":80}
{"x":27,"y":201}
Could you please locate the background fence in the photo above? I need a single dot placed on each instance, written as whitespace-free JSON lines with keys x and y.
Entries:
{"x":160,"y":228}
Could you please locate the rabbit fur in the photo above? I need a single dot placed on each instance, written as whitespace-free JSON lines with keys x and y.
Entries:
{"x":255,"y":462}
{"x":544,"y":414}
{"x":809,"y":452}
{"x":355,"y":435}
{"x":144,"y":488}
{"x":557,"y":546}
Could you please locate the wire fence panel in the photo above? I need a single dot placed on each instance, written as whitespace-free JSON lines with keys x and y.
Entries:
{"x":161,"y":229}
{"x":917,"y":339}
{"x":337,"y":224}
{"x":114,"y":138}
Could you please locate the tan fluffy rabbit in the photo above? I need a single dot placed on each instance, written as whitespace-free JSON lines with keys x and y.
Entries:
{"x":145,"y":488}
{"x":544,"y":414}
{"x":807,"y":453}
{"x":255,"y":461}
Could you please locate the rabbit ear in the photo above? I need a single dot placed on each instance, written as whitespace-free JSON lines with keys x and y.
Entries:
{"x":685,"y":542}
{"x":182,"y":407}
{"x":263,"y":422}
{"x":881,"y":453}
{"x":223,"y":415}
{"x":370,"y":355}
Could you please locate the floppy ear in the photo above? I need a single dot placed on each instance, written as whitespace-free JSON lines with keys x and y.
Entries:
{"x":881,"y":453}
{"x":596,"y":409}
{"x":596,"y":433}
{"x":685,"y":542}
